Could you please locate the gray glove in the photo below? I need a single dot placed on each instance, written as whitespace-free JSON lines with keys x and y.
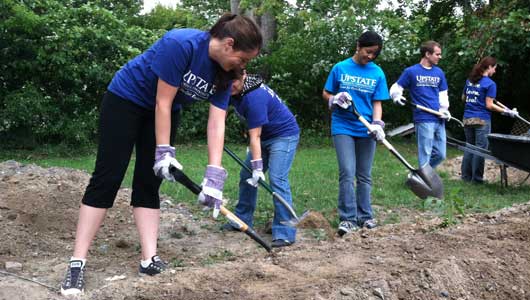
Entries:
{"x":376,"y":130}
{"x":513,"y":113}
{"x":342,"y":99}
{"x":212,"y":188}
{"x":257,"y":172}
{"x":164,"y":159}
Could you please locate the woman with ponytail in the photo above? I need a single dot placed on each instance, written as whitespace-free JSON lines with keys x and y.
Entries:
{"x":140,"y":110}
{"x":479,"y":93}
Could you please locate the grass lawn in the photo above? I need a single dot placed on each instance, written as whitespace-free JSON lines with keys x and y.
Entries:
{"x":314,"y":179}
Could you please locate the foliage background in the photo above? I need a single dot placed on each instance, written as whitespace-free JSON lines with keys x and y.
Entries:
{"x":57,"y":56}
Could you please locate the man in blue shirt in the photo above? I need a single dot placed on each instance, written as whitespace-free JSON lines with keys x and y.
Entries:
{"x":427,"y":87}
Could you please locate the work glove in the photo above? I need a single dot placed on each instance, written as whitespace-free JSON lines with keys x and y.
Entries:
{"x":399,"y":100}
{"x":212,"y":188}
{"x":446,"y":115}
{"x":376,"y":130}
{"x":342,"y":99}
{"x":513,"y":113}
{"x":164,"y":160}
{"x":257,"y":172}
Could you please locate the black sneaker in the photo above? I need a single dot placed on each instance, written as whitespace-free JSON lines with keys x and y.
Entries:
{"x":346,"y":227}
{"x":74,"y":283}
{"x":281,"y":243}
{"x":156,"y":266}
{"x":229,"y":227}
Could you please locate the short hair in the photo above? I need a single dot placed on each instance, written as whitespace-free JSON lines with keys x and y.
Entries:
{"x":428,"y":46}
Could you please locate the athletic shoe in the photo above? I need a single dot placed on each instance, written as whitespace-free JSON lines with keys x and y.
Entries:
{"x":156,"y":266}
{"x":370,"y":224}
{"x":229,"y":227}
{"x":74,"y":283}
{"x":346,"y":227}
{"x":278,"y":243}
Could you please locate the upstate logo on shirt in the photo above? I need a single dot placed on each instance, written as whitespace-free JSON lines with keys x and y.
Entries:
{"x":196,"y":87}
{"x":429,"y":81}
{"x":357,"y":83}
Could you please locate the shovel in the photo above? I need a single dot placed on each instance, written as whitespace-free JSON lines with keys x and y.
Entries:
{"x":423,"y":182}
{"x":233,"y":219}
{"x":292,"y":222}
{"x":434,"y":112}
{"x":505,"y":107}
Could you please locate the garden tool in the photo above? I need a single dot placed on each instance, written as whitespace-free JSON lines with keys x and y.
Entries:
{"x":505,"y":107}
{"x":423,"y":182}
{"x":434,"y":112}
{"x":233,"y":219}
{"x":292,"y":222}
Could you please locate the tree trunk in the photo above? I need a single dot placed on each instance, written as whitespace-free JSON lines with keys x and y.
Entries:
{"x":268,"y":28}
{"x":234,"y":6}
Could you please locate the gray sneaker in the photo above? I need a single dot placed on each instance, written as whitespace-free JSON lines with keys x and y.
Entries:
{"x":74,"y":283}
{"x":346,"y":227}
{"x":370,"y":224}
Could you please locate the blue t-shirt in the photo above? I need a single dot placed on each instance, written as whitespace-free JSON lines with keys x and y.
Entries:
{"x":262,"y":107}
{"x":364,"y":83}
{"x":476,"y":98}
{"x":180,"y":58}
{"x":424,"y":86}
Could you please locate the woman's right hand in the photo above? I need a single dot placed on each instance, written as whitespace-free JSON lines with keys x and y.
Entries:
{"x":164,"y":160}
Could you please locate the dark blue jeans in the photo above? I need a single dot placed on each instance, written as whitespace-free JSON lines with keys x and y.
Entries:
{"x":355,"y":156}
{"x":473,"y":165}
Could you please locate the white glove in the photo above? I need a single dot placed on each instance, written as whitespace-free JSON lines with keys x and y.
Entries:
{"x":212,"y":188}
{"x":446,"y":115}
{"x":342,"y":99}
{"x":400,"y":100}
{"x":257,"y":172}
{"x":164,"y":160}
{"x":396,"y":93}
{"x":513,"y":113}
{"x":376,"y":130}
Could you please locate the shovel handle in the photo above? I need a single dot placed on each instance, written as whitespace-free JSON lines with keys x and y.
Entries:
{"x":505,"y":107}
{"x":263,"y":183}
{"x":387,"y":145}
{"x":183,"y":179}
{"x":236,"y":222}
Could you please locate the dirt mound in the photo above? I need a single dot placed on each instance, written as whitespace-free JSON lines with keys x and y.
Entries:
{"x":491,"y":171}
{"x":485,"y":257}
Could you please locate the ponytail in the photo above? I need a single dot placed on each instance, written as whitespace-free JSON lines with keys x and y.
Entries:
{"x":478,"y":70}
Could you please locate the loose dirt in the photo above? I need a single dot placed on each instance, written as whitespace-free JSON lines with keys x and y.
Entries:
{"x":485,"y":257}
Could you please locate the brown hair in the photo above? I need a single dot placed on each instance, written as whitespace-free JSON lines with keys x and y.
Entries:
{"x":476,"y":73}
{"x":247,"y":37}
{"x":246,"y":34}
{"x":428,"y":47}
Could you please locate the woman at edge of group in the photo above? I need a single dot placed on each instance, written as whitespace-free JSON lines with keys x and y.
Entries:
{"x":479,"y":92}
{"x":274,"y":135}
{"x":360,"y":80}
{"x":141,"y":110}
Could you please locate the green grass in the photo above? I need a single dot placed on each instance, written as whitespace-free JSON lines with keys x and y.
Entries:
{"x":314,"y":179}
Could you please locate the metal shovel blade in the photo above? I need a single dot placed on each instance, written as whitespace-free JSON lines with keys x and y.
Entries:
{"x":425,"y":182}
{"x":293,"y":222}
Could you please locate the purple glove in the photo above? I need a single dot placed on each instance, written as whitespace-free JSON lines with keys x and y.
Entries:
{"x":164,"y":160}
{"x":376,"y":130}
{"x":257,"y":172}
{"x":513,"y":113}
{"x":212,"y":188}
{"x":342,"y":99}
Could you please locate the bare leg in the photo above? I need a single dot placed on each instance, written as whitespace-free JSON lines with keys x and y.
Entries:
{"x":90,"y":219}
{"x":147,"y":221}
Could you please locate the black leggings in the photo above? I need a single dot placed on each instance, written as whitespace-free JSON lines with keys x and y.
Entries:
{"x":124,"y":125}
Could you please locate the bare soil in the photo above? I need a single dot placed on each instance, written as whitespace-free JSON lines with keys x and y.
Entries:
{"x":485,"y":257}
